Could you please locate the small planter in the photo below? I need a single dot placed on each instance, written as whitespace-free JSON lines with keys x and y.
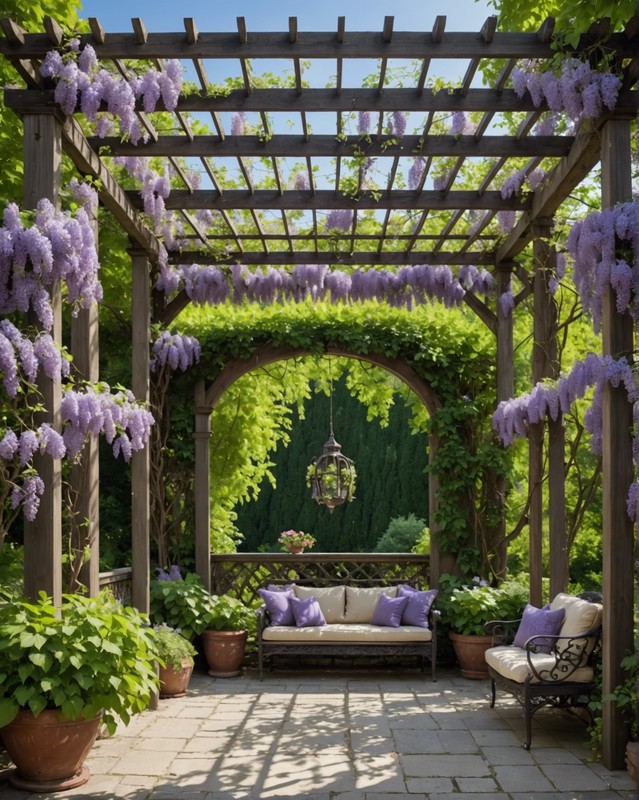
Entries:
{"x":470,"y":652}
{"x":49,"y":751}
{"x":175,"y":682}
{"x":295,"y":550}
{"x":224,"y":651}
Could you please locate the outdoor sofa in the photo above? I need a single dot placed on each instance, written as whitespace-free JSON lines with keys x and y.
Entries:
{"x":352,"y":621}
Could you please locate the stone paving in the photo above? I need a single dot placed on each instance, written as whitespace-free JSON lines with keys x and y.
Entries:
{"x":343,"y":735}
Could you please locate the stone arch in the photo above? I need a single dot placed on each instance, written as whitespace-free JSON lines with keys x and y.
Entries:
{"x":207,"y":396}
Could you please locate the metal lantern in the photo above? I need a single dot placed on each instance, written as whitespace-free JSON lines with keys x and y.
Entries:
{"x":332,"y":475}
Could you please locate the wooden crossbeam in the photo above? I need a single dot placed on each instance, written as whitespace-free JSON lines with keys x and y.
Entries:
{"x":358,"y":44}
{"x":295,"y":146}
{"x":356,"y":258}
{"x":328,"y":199}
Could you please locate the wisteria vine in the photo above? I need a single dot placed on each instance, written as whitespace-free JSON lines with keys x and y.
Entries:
{"x":513,"y":417}
{"x":414,"y":285}
{"x":58,"y":246}
{"x":597,"y":245}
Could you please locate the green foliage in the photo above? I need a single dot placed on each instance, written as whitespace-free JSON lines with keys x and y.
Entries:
{"x":172,"y":647}
{"x":402,"y":535}
{"x":183,"y":604}
{"x":466,"y":608}
{"x":624,"y":697}
{"x":11,"y":572}
{"x":92,"y":655}
{"x":186,"y":604}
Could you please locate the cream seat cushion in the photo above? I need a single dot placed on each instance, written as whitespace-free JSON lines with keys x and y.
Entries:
{"x":346,"y":633}
{"x":362,"y":602}
{"x":331,"y":600}
{"x":511,"y":663}
{"x":581,"y":616}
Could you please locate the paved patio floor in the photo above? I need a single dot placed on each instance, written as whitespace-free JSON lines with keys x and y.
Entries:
{"x":343,"y":735}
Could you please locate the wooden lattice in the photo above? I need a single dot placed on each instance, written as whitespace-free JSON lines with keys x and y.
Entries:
{"x":242,"y":574}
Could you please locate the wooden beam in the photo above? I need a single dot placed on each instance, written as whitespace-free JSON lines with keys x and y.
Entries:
{"x":583,"y":156}
{"x":329,"y":256}
{"x":286,"y":145}
{"x":357,"y":45}
{"x":617,"y":466}
{"x":327,"y":199}
{"x":202,"y":499}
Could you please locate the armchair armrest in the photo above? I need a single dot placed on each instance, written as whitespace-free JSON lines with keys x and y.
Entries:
{"x":263,"y":620}
{"x":569,"y":653}
{"x":502,"y":630}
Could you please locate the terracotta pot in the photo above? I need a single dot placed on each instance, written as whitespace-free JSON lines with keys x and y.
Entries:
{"x":224,"y":651}
{"x":295,"y":550}
{"x":175,"y":682}
{"x":470,"y":652}
{"x":49,"y":751}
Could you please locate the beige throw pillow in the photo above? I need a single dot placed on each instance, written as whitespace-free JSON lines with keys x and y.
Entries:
{"x":331,"y":600}
{"x":361,"y":603}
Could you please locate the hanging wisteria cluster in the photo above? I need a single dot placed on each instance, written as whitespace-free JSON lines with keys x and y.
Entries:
{"x":594,"y":244}
{"x":513,"y":417}
{"x":177,"y":350}
{"x":409,"y":286}
{"x":81,"y":81}
{"x":58,"y":246}
{"x":125,"y":424}
{"x":578,"y":90}
{"x":20,"y":356}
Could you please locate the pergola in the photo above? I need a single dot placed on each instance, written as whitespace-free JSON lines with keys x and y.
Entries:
{"x":254,"y":228}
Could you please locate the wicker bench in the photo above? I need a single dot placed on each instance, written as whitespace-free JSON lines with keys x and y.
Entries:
{"x":349,"y":630}
{"x":548,"y":670}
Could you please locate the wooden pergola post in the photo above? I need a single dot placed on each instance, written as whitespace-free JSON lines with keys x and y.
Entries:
{"x":617,"y":468}
{"x":140,"y":460}
{"x":505,"y":373}
{"x":43,"y":536}
{"x":202,"y":438}
{"x":85,"y":476}
{"x":545,"y":364}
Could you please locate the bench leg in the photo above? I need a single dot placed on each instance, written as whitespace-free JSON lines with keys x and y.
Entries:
{"x":528,"y":712}
{"x":493,"y":690}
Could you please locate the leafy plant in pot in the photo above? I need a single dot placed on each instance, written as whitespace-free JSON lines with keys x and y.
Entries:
{"x":177,"y":654}
{"x":467,"y":607}
{"x":63,"y":672}
{"x":224,"y":640}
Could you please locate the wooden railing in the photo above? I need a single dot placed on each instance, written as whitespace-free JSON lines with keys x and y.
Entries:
{"x":242,"y":574}
{"x":120,"y":583}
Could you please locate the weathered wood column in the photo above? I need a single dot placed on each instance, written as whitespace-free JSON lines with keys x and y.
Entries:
{"x":43,"y":536}
{"x":140,"y":461}
{"x":545,"y":364}
{"x":617,"y":467}
{"x":505,"y":380}
{"x":440,"y":562}
{"x":202,"y":438}
{"x":85,"y":476}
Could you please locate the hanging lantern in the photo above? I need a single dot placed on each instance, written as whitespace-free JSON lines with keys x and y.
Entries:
{"x":332,"y":476}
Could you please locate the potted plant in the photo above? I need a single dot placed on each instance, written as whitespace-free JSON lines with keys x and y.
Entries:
{"x":224,"y":639}
{"x":295,"y":541}
{"x":63,"y":672}
{"x":176,"y":653}
{"x":467,"y":607}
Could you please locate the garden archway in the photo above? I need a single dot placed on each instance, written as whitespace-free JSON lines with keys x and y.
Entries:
{"x":207,"y":396}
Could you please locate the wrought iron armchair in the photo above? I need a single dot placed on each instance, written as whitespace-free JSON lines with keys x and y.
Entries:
{"x":536,"y":678}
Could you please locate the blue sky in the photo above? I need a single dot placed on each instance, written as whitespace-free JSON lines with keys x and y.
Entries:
{"x":167,"y":15}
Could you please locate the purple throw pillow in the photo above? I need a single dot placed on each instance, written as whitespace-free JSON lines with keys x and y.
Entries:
{"x":418,"y":606}
{"x":307,"y":612}
{"x":388,"y":611}
{"x":539,"y":622}
{"x":278,"y":605}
